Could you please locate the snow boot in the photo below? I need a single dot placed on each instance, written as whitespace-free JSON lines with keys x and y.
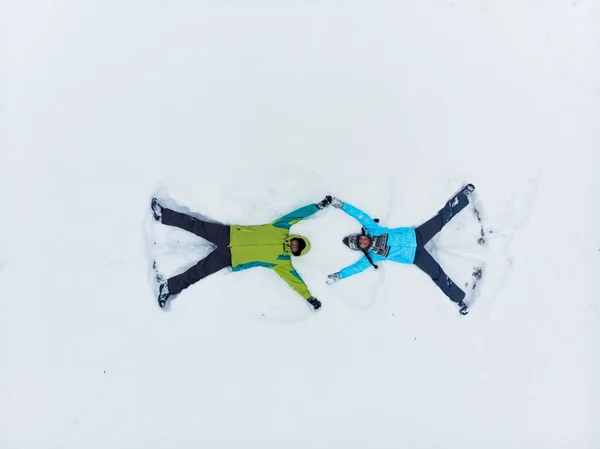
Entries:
{"x":163,"y":294}
{"x":469,"y":188}
{"x":462,"y":308}
{"x":156,"y":209}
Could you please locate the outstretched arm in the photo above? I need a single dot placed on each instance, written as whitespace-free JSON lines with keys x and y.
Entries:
{"x":359,"y":266}
{"x":287,"y":272}
{"x":301,"y":213}
{"x":363,"y":218}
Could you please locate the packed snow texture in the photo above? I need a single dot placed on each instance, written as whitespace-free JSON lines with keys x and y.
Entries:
{"x":241,"y":112}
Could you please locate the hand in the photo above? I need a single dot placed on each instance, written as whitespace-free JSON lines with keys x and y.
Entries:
{"x":314,"y":302}
{"x":324,"y":202}
{"x":336,"y":202}
{"x":332,"y":278}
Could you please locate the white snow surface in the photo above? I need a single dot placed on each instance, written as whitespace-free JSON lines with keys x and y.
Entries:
{"x":243,"y":111}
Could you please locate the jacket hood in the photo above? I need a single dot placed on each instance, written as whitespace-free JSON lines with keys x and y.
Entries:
{"x":299,"y":237}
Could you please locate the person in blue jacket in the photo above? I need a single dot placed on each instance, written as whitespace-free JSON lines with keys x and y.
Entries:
{"x":403,"y":245}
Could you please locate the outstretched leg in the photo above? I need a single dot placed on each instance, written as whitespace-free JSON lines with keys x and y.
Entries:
{"x":431,"y":227}
{"x":213,"y":232}
{"x":217,"y":260}
{"x":427,"y":263}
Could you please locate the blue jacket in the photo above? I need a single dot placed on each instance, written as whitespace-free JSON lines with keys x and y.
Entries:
{"x":402,"y":242}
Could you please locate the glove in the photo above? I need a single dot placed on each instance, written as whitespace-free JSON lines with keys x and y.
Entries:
{"x":324,"y":202}
{"x":337,"y":203}
{"x":332,"y":278}
{"x":314,"y":302}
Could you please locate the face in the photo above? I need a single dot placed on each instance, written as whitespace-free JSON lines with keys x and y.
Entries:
{"x":294,"y":245}
{"x":363,"y":241}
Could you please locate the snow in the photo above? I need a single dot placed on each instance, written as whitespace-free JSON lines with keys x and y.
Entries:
{"x":242,"y":112}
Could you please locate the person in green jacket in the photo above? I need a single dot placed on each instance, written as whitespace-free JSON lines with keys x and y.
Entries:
{"x":241,"y":247}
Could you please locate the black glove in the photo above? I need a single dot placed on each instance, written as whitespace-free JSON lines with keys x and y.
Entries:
{"x":324,"y":202}
{"x":314,"y":302}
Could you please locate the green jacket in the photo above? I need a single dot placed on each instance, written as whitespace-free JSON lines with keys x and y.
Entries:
{"x":268,"y":246}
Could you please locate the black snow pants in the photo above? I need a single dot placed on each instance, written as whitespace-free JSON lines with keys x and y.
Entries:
{"x":425,"y":261}
{"x":215,"y":233}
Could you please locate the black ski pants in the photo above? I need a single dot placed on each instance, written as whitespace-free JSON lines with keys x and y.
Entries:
{"x":425,"y":261}
{"x":216,"y":233}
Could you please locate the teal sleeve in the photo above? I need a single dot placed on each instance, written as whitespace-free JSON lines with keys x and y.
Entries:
{"x":295,"y":216}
